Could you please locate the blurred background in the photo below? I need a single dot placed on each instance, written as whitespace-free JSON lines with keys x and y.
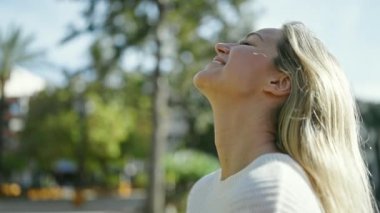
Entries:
{"x":97,"y":108}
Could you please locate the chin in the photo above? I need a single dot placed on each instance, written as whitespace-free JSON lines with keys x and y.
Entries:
{"x":199,"y":82}
{"x":209,"y":79}
{"x":206,"y":77}
{"x":203,"y":79}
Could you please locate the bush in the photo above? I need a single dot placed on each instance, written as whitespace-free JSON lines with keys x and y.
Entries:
{"x":183,"y":169}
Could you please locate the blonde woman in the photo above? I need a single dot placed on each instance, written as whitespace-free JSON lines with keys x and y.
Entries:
{"x":286,"y":129}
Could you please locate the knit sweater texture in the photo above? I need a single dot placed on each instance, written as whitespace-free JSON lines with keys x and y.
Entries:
{"x":271,"y":183}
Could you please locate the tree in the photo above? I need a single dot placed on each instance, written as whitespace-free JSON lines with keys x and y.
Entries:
{"x":183,"y":168}
{"x":53,"y":132}
{"x":170,"y":35}
{"x":370,"y":113}
{"x":15,"y":49}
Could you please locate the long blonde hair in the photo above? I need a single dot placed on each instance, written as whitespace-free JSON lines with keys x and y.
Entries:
{"x":318,"y":124}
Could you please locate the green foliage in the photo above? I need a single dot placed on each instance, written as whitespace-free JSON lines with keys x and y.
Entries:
{"x":180,"y":36}
{"x":108,"y":126}
{"x":15,"y":49}
{"x":184,"y":167}
{"x":141,"y":180}
{"x":51,"y":129}
{"x":14,"y":161}
{"x":138,"y":100}
{"x":370,"y":136}
{"x":186,"y":40}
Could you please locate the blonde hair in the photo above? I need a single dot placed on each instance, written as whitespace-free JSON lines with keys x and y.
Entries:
{"x":318,"y":123}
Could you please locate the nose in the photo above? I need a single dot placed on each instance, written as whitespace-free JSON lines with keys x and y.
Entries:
{"x":222,"y":48}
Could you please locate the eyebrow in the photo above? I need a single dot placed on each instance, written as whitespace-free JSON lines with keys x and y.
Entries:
{"x":257,"y":34}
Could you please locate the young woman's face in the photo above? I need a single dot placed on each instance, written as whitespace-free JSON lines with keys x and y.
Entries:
{"x":240,"y":68}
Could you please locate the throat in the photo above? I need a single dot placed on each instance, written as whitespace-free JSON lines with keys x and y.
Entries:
{"x":237,"y":153}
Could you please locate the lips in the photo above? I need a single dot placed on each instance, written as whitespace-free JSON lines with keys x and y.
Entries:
{"x":219,"y":60}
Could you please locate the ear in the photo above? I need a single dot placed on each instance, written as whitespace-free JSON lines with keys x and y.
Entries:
{"x":278,"y":85}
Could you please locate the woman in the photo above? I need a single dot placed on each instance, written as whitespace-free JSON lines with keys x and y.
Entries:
{"x":286,"y":129}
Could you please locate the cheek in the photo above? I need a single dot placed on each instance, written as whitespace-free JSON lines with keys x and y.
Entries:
{"x":246,"y":71}
{"x":246,"y":66}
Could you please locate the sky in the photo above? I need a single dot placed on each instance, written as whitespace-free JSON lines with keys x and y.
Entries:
{"x":349,"y":28}
{"x":48,"y":21}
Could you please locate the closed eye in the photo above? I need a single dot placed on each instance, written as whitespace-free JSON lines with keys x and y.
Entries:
{"x":245,"y":43}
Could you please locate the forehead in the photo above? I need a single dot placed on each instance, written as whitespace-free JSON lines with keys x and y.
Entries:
{"x":266,"y":35}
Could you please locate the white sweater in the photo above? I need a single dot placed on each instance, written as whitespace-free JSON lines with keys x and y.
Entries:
{"x":271,"y":183}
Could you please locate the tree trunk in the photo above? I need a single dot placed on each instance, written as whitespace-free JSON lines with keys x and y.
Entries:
{"x":156,"y":193}
{"x":79,"y":198}
{"x":156,"y":190}
{"x":2,"y":108}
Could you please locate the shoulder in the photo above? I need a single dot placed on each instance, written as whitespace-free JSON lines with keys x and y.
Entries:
{"x":277,"y":183}
{"x":200,"y":192}
{"x":278,"y":168}
{"x":204,"y":183}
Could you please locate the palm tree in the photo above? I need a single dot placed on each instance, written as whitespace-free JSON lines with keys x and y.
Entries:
{"x":15,"y":49}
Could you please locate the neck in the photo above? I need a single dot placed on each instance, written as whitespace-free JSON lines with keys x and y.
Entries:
{"x":243,"y":132}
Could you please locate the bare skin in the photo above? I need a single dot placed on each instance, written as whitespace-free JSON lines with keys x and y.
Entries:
{"x":245,"y":91}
